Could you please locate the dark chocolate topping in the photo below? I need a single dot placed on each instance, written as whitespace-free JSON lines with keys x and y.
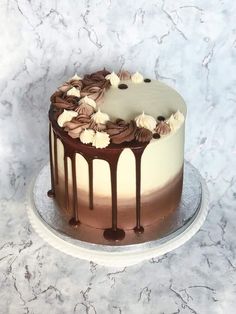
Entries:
{"x":122,"y":86}
{"x":156,"y":135}
{"x":161,"y":118}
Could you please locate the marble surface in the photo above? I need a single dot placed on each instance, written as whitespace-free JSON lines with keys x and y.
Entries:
{"x":191,"y":45}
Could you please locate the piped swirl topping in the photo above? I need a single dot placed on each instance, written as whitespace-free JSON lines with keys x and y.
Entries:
{"x":73,"y":92}
{"x":146,"y":121}
{"x":124,"y":75}
{"x":162,"y":128}
{"x":100,"y":117}
{"x":66,"y":116}
{"x":121,"y":131}
{"x":143,"y":135}
{"x":75,"y":78}
{"x":83,"y":119}
{"x":114,"y":79}
{"x":86,"y":136}
{"x":101,"y":140}
{"x":137,"y":78}
{"x":61,"y":100}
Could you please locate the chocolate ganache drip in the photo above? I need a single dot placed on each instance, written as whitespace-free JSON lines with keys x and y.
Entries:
{"x":51,"y":193}
{"x":138,"y":155}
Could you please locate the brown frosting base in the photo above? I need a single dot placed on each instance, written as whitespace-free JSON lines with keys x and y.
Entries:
{"x":154,"y":207}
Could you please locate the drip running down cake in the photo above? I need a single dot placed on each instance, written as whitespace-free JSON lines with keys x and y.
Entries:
{"x":116,"y":154}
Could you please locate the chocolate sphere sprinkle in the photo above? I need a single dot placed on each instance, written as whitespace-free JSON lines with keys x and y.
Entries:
{"x":147,"y":80}
{"x":161,"y":118}
{"x":156,"y":135}
{"x":122,"y":86}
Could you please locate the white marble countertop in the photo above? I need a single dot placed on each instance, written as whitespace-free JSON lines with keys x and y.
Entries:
{"x":190,"y":45}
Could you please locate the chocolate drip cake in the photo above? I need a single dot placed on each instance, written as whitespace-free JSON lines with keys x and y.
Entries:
{"x":116,"y":152}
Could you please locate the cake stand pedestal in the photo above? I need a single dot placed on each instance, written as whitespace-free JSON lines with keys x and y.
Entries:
{"x":175,"y":230}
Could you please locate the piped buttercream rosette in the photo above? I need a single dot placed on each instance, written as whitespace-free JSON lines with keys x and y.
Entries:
{"x":137,"y":78}
{"x":66,"y":116}
{"x":146,"y":125}
{"x":86,"y":136}
{"x":97,"y":139}
{"x":114,"y":79}
{"x":94,"y":85}
{"x":86,"y":106}
{"x":77,"y":125}
{"x":146,"y":121}
{"x":101,"y":140}
{"x":175,"y":121}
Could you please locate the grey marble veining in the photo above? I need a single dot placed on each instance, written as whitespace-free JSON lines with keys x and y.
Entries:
{"x":191,"y":45}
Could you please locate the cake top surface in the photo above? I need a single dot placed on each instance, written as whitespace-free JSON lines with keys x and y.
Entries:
{"x":104,"y":107}
{"x":154,"y":98}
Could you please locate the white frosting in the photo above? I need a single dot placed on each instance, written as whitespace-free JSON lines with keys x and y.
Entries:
{"x":87,"y":136}
{"x":179,"y":116}
{"x":75,"y":78}
{"x":114,"y":79}
{"x":66,"y":116}
{"x":137,"y":78}
{"x":101,"y":140}
{"x":145,"y":121}
{"x":73,"y":92}
{"x":100,"y":117}
{"x":88,"y":101}
{"x":154,"y":98}
{"x":175,"y":121}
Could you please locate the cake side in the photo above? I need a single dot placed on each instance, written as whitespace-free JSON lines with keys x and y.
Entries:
{"x":158,"y":168}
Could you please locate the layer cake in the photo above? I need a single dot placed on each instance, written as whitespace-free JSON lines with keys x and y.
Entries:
{"x":116,"y":152}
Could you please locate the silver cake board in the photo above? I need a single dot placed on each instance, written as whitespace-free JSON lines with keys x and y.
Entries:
{"x":185,"y":222}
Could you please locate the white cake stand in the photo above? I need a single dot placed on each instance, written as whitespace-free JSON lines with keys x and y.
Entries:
{"x":44,"y":217}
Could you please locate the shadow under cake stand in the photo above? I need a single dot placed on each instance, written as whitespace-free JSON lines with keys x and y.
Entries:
{"x":179,"y":227}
